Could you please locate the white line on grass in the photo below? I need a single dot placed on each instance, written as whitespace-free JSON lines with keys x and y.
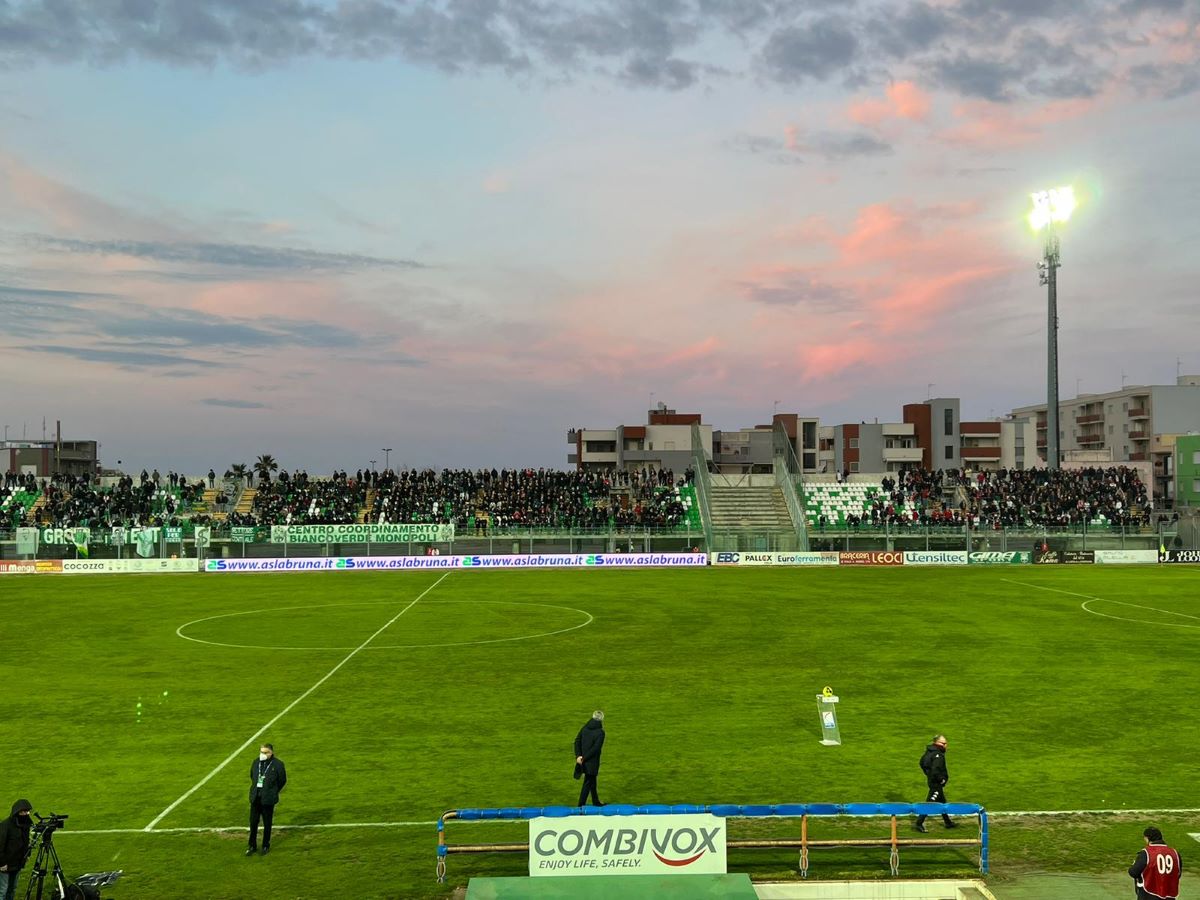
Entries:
{"x":232,"y":756}
{"x":1088,"y":598}
{"x":1005,"y":814}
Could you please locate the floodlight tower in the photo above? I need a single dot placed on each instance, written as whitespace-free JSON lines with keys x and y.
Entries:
{"x":1049,"y":208}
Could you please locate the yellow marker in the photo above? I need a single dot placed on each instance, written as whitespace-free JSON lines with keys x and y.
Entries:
{"x":827,"y":691}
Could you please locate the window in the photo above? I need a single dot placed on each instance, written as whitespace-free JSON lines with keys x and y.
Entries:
{"x":1124,"y":427}
{"x":1196,"y":486}
{"x":853,"y":467}
{"x":1124,"y":407}
{"x":1196,"y":458}
{"x":1110,"y":429}
{"x":949,"y":451}
{"x":1110,"y":407}
{"x":853,"y":443}
{"x":948,"y":415}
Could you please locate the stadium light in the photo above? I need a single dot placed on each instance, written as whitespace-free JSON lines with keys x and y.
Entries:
{"x":387,"y":456}
{"x":1051,"y":207}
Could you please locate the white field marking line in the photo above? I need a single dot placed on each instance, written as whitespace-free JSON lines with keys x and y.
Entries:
{"x":223,"y":829}
{"x":232,"y":756}
{"x":1088,"y":599}
{"x":523,"y":637}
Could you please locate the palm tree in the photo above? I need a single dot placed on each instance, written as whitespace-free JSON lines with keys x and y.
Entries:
{"x":265,"y":466}
{"x":239,"y":471}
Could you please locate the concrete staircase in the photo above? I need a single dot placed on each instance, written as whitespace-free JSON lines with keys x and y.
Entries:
{"x":760,"y":508}
{"x":245,"y":504}
{"x":366,"y":507}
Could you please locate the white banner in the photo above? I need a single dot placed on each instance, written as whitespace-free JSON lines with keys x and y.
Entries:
{"x":741,"y":558}
{"x":1141,"y":557}
{"x":365,"y":533}
{"x":523,"y":561}
{"x":935,"y":557}
{"x":115,"y":566}
{"x":627,"y":845}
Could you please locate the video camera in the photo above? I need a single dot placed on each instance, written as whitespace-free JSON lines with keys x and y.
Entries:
{"x":49,"y":824}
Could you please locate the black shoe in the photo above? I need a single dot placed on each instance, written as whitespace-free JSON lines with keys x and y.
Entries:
{"x":948,"y":825}
{"x":920,"y":826}
{"x":251,"y":851}
{"x":266,"y":850}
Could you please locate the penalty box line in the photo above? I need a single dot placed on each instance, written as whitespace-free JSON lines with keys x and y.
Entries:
{"x":234,"y":755}
{"x":224,"y":829}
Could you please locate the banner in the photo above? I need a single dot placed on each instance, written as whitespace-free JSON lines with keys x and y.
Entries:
{"x":935,"y":557}
{"x":119,"y":536}
{"x":1064,"y":557}
{"x":392,"y":563}
{"x":1179,"y":556}
{"x":871,"y":558}
{"x":173,"y":535}
{"x":202,"y":537}
{"x":71,"y":536}
{"x":627,"y":845}
{"x":242,"y":533}
{"x":30,"y":566}
{"x":999,"y":557}
{"x":118,"y":566}
{"x":730,"y":558}
{"x":365,"y":533}
{"x":146,"y":540}
{"x":27,"y":541}
{"x":1127,"y":557}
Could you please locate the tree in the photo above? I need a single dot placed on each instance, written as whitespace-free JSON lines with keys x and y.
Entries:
{"x":265,"y":466}
{"x":239,"y":471}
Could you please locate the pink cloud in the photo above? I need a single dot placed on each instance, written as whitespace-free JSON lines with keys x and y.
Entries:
{"x":983,"y":124}
{"x":904,"y":100}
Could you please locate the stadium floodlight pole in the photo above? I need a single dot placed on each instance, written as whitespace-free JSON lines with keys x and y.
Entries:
{"x":1049,"y":208}
{"x":387,"y":455}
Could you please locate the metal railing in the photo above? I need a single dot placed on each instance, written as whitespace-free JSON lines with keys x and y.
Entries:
{"x":789,"y":477}
{"x":702,"y":482}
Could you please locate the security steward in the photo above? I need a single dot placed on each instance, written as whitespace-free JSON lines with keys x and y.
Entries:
{"x":933,"y":764}
{"x":1156,"y":870}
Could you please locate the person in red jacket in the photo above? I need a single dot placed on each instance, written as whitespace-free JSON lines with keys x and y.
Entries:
{"x":1156,"y":870}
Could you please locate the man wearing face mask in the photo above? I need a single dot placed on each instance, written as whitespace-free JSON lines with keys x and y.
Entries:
{"x":267,"y":779}
{"x":14,"y":847}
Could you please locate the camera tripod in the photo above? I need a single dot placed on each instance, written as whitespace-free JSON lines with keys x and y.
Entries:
{"x":46,"y":854}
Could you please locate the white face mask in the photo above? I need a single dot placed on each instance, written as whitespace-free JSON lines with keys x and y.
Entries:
{"x":262,"y":757}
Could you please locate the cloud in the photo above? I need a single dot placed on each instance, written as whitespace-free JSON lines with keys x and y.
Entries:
{"x":243,"y":256}
{"x":816,"y":50}
{"x":799,"y":290}
{"x":974,"y":76}
{"x":233,"y":404}
{"x":796,"y":145}
{"x":128,"y":359}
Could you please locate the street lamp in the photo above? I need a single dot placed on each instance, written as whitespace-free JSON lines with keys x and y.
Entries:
{"x":1050,"y":208}
{"x":387,"y":455}
{"x":373,"y":464}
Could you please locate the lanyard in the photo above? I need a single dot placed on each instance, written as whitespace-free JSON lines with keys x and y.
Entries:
{"x":262,"y":773}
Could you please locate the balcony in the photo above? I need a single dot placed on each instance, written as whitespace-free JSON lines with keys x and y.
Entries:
{"x":1139,"y":435}
{"x":903,"y":454}
{"x":1089,"y":419}
{"x":1041,"y":425}
{"x":979,"y":429}
{"x":983,"y":452}
{"x":1090,"y":439}
{"x":1140,"y":413}
{"x":1137,"y":457}
{"x":1041,"y":442}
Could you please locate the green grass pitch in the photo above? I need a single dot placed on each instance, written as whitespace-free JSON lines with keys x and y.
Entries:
{"x":473,"y":695}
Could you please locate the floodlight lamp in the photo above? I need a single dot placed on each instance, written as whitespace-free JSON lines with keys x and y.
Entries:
{"x":1054,"y":205}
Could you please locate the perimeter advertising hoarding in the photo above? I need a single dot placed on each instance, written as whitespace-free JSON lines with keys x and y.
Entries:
{"x":1179,"y":556}
{"x":30,"y":566}
{"x":797,"y":558}
{"x":627,"y":845}
{"x":400,"y":563}
{"x":999,"y":557}
{"x":1064,"y":557}
{"x":1127,"y":557}
{"x":128,"y":566}
{"x":871,"y":558}
{"x":935,"y":557}
{"x":365,"y":533}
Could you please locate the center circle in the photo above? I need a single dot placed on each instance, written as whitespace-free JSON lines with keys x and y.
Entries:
{"x":439,"y":619}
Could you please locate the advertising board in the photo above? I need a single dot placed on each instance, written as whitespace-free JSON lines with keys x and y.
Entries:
{"x":1127,"y":557}
{"x":627,"y":845}
{"x":935,"y":557}
{"x":797,"y":558}
{"x":1179,"y":556}
{"x":128,"y":566}
{"x":30,"y":566}
{"x":871,"y":558}
{"x":999,"y":557}
{"x":402,"y":563}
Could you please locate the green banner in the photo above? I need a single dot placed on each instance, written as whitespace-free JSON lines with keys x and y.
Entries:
{"x":241,"y":533}
{"x":66,"y":536}
{"x":386,"y":533}
{"x":173,"y":535}
{"x":27,"y":541}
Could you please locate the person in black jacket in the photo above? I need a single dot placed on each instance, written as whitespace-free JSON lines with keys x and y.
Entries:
{"x":14,"y":847}
{"x":933,"y":764}
{"x":267,"y":779}
{"x":588,"y":744}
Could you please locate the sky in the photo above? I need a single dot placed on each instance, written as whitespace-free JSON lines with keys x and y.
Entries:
{"x":459,"y":228}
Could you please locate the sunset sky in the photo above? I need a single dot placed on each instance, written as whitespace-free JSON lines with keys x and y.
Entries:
{"x":457,"y":229}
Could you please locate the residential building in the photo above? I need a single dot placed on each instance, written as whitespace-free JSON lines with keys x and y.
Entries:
{"x":665,"y":441}
{"x":50,"y":457}
{"x":1139,"y":423}
{"x":752,"y":450}
{"x":1187,"y":471}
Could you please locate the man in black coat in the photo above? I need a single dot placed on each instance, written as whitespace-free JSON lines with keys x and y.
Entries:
{"x":588,"y":744}
{"x":933,"y":764}
{"x":267,"y":778}
{"x":14,"y":847}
